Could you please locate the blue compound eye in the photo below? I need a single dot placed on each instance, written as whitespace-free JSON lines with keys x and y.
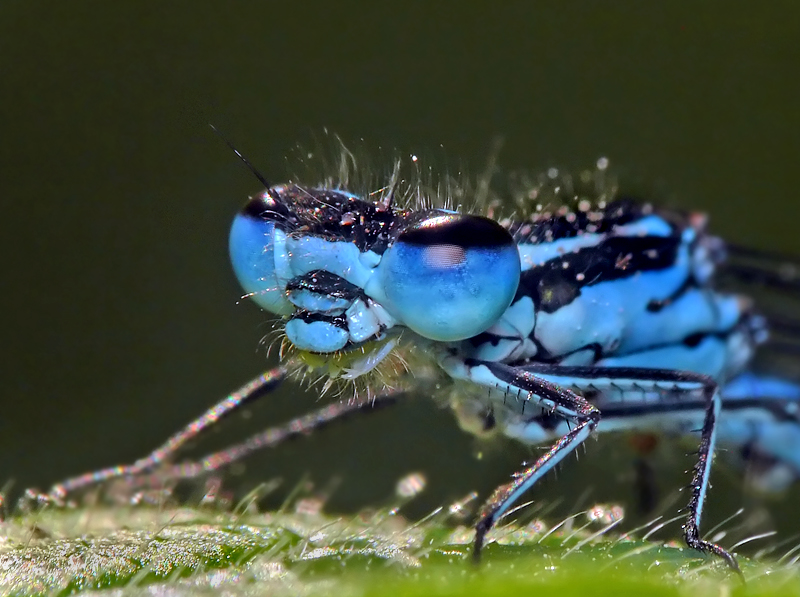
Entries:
{"x":254,"y":244}
{"x":449,"y":276}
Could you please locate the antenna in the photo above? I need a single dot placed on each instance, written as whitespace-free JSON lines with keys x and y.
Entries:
{"x":246,"y":162}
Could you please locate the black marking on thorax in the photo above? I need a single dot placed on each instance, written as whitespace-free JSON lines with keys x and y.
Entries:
{"x":559,"y":281}
{"x":570,"y":221}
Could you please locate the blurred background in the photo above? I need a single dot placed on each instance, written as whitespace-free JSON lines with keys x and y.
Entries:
{"x":122,"y":318}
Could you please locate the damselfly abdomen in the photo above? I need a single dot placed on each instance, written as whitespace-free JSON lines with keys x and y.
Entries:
{"x":581,"y":311}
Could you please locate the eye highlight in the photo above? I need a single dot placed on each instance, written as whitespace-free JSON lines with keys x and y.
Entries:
{"x":448,"y":276}
{"x":444,"y":256}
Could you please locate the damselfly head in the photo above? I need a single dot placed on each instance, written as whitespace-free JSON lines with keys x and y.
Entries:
{"x":345,"y":272}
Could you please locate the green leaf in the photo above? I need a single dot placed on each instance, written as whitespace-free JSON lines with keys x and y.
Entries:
{"x":146,"y":551}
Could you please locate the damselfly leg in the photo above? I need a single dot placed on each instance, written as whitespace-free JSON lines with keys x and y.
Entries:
{"x":252,"y":390}
{"x":161,"y":460}
{"x":269,"y":438}
{"x":554,"y":399}
{"x":547,"y":387}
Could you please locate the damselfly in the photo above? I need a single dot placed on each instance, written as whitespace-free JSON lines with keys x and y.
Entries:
{"x":582,"y":311}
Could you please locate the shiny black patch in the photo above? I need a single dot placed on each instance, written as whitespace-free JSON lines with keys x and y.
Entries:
{"x":547,"y":228}
{"x":437,"y":228}
{"x":327,"y":213}
{"x":559,"y":281}
{"x":325,"y":283}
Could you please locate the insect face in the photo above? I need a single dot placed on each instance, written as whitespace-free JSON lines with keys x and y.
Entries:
{"x":346,"y":272}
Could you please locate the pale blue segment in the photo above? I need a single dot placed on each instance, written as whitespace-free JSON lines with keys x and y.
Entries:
{"x":652,"y":225}
{"x":498,"y":350}
{"x":782,"y":440}
{"x":748,"y":386}
{"x":709,"y":357}
{"x":696,"y":311}
{"x":446,"y":292}
{"x":605,"y":313}
{"x":252,"y":251}
{"x":514,"y":327}
{"x":309,"y":253}
{"x":316,"y":336}
{"x":535,"y":254}
{"x":362,"y":323}
{"x":518,"y":320}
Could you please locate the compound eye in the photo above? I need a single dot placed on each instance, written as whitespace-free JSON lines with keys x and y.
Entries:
{"x":449,"y":276}
{"x":254,"y":244}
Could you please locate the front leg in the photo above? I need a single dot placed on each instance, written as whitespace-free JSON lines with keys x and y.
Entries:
{"x":545,"y":394}
{"x":505,"y":495}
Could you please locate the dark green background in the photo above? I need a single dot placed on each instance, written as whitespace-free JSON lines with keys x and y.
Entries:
{"x":120,"y":311}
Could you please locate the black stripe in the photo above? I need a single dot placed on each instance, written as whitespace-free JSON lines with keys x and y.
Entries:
{"x":340,"y":321}
{"x":325,"y":283}
{"x":559,"y":281}
{"x":327,"y":213}
{"x":573,"y":222}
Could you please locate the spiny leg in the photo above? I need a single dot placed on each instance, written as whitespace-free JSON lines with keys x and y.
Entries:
{"x":254,"y":389}
{"x":700,"y":478}
{"x":273,"y":436}
{"x":552,"y":397}
{"x":676,"y":383}
{"x":619,"y":380}
{"x":505,"y":495}
{"x":711,"y":404}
